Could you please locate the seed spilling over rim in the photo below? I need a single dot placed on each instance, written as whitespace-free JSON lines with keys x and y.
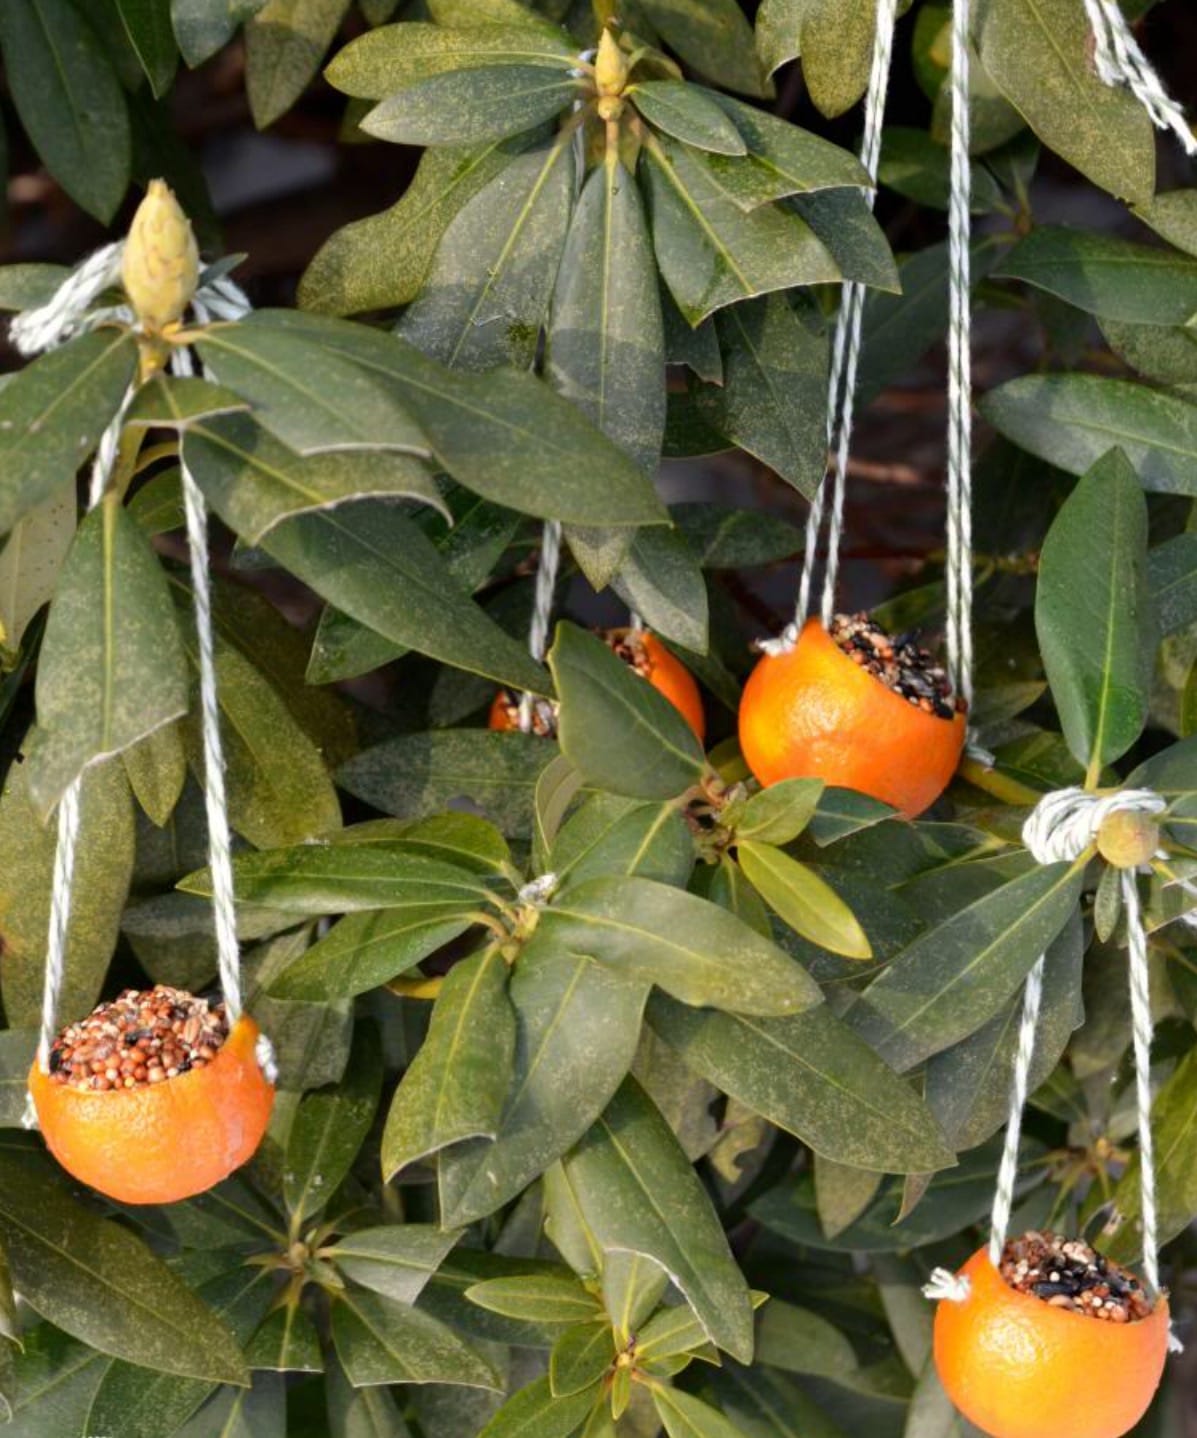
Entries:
{"x":899,"y":662}
{"x":1067,"y":1273}
{"x":142,"y":1037}
{"x":544,"y":713}
{"x":628,"y":645}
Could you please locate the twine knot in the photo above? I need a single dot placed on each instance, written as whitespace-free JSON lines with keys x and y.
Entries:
{"x":946,"y":1286}
{"x":1065,"y":822}
{"x":783,"y":644}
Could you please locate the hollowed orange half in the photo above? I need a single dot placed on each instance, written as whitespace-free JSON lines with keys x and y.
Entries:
{"x":158,"y":1143}
{"x":814,"y":714}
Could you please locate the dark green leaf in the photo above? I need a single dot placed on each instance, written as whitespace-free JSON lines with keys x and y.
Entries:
{"x":954,"y":1199}
{"x":30,"y":285}
{"x":660,"y":580}
{"x":465,"y":107}
{"x":844,"y":222}
{"x":311,"y":400}
{"x":540,"y":1297}
{"x":711,"y":254}
{"x":365,"y":950}
{"x":605,"y":342}
{"x":69,"y":101}
{"x":340,"y":878}
{"x":456,"y":1086}
{"x":638,"y":1193}
{"x":329,"y":1128}
{"x":1093,"y":616}
{"x":1174,"y":216}
{"x":900,"y":327}
{"x":617,"y":729}
{"x":103,"y":870}
{"x":580,"y":1357}
{"x":284,"y":44}
{"x":147,"y":24}
{"x":256,"y":1412}
{"x":287,"y":1342}
{"x":688,"y":114}
{"x":157,"y":770}
{"x":53,"y":1381}
{"x":1172,"y":580}
{"x":112,"y":668}
{"x":97,"y":1281}
{"x":533,"y":1412}
{"x":381,"y":261}
{"x":53,"y":412}
{"x":418,"y":774}
{"x":486,"y":296}
{"x":503,"y":434}
{"x":1105,"y":275}
{"x":577,"y":1027}
{"x":381,"y":1341}
{"x":1040,"y":54}
{"x":773,"y":399}
{"x":158,"y":504}
{"x":481,"y":531}
{"x":685,"y":1416}
{"x":203,"y":26}
{"x":610,"y":835}
{"x":764,"y":1403}
{"x":834,"y":39}
{"x":279,"y":790}
{"x":17,"y":1047}
{"x":1173,"y":1124}
{"x":813,"y":1076}
{"x":968,"y":1085}
{"x":692,"y":949}
{"x":785,"y":160}
{"x":259,"y":482}
{"x":137,"y":1402}
{"x":396,"y":1260}
{"x":373,"y":563}
{"x":1072,"y":420}
{"x":957,"y":975}
{"x":714,"y":37}
{"x":386,"y":60}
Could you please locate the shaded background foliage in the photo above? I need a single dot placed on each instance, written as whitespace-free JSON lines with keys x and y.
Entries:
{"x":843,"y":1341}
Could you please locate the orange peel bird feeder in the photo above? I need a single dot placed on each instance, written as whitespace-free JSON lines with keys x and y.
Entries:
{"x":157,"y":1095}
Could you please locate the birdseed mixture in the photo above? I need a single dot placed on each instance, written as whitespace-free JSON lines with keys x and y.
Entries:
{"x":1067,"y":1273}
{"x":142,"y":1037}
{"x":627,"y":645}
{"x":899,"y":663}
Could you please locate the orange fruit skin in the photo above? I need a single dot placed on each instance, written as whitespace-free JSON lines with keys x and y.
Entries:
{"x":665,"y":673}
{"x":1018,"y":1368}
{"x":161,"y":1142}
{"x":500,"y":716}
{"x":669,"y":676}
{"x":814,"y":714}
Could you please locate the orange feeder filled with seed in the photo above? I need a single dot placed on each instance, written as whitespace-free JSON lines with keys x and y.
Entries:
{"x":1060,"y":1343}
{"x":153,"y":1098}
{"x":642,"y":652}
{"x":857,"y":709}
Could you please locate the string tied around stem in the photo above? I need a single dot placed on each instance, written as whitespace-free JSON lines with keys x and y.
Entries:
{"x":1062,"y":828}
